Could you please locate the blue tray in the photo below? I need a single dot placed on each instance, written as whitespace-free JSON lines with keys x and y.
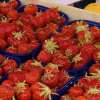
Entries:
{"x":25,"y":57}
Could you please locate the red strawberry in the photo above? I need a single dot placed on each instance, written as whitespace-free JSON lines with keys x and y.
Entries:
{"x":3,"y":44}
{"x":44,"y":56}
{"x":80,"y":60}
{"x":69,"y":31}
{"x":71,"y":51}
{"x":61,"y":60}
{"x":94,"y":68}
{"x":13,"y":14}
{"x":96,"y":56}
{"x":22,"y":91}
{"x":29,"y":76}
{"x":24,"y":48}
{"x":64,"y":78}
{"x":17,"y":76}
{"x":9,"y":65}
{"x":51,"y":75}
{"x":30,"y":9}
{"x":96,"y":32}
{"x":12,"y":50}
{"x":41,"y":92}
{"x":31,"y":64}
{"x":8,"y":83}
{"x":88,"y":49}
{"x":43,"y":34}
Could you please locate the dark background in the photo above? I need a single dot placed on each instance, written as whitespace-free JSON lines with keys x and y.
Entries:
{"x":83,"y":3}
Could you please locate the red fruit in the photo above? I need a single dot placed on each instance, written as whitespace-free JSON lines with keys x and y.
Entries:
{"x":13,"y":14}
{"x":24,"y":48}
{"x":12,"y":50}
{"x":64,"y":78}
{"x":6,"y":93}
{"x":17,"y":38}
{"x":75,"y":91}
{"x":94,"y":68}
{"x":1,"y":72}
{"x":97,"y":45}
{"x":61,"y":60}
{"x":80,"y":60}
{"x":22,"y":91}
{"x":84,"y":83}
{"x":18,"y":76}
{"x":51,"y":75}
{"x":3,"y":44}
{"x":8,"y":28}
{"x":52,"y":27}
{"x":2,"y":35}
{"x":26,"y":19}
{"x":80,"y":98}
{"x":29,"y":32}
{"x":34,"y":44}
{"x":50,"y":46}
{"x":24,"y":96}
{"x":63,"y":42}
{"x":7,"y":83}
{"x":34,"y":22}
{"x":95,"y":31}
{"x":96,"y":56}
{"x":88,"y":49}
{"x":71,"y":51}
{"x":31,"y":64}
{"x":41,"y":92}
{"x":44,"y":56}
{"x":40,"y":20}
{"x":69,"y":31}
{"x":4,"y":7}
{"x":9,"y":65}
{"x":65,"y":97}
{"x":54,"y":14}
{"x":13,"y":3}
{"x":43,"y":34}
{"x":2,"y":58}
{"x":29,"y":76}
{"x":31,"y":9}
{"x":93,"y":94}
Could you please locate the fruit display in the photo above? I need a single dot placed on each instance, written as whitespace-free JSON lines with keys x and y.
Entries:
{"x":32,"y":81}
{"x":21,"y":33}
{"x":75,"y":46}
{"x":42,"y":54}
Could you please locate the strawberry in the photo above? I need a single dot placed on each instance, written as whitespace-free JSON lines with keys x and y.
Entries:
{"x":96,"y":56}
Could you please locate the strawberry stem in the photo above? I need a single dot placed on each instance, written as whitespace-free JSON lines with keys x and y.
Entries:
{"x":51,"y":46}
